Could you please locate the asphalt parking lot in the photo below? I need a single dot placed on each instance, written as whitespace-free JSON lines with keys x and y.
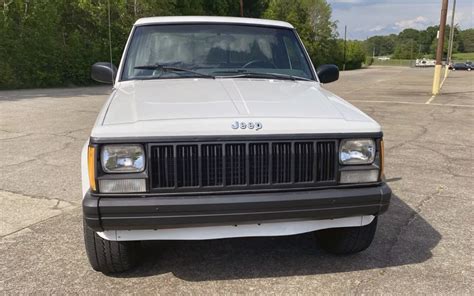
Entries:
{"x":424,"y":243}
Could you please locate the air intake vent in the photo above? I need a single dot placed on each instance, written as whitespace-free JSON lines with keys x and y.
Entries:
{"x":304,"y":162}
{"x":212,"y":165}
{"x":187,"y":165}
{"x":259,"y":158}
{"x":163,"y":169}
{"x":235,"y":164}
{"x":281,"y":163}
{"x":326,"y":161}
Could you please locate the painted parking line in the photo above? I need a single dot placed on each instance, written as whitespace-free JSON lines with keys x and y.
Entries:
{"x":431,"y":99}
{"x":412,"y":103}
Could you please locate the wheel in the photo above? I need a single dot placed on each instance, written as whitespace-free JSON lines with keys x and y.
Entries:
{"x":347,"y":240}
{"x":109,"y":256}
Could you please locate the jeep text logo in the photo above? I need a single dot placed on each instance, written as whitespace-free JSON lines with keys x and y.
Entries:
{"x":244,"y":125}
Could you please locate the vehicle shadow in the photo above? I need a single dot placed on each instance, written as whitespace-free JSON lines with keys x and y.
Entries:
{"x":403,"y":237}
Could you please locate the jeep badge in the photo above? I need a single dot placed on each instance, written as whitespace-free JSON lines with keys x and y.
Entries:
{"x":247,"y":125}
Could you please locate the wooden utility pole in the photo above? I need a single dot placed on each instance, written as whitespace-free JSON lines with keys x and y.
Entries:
{"x":241,"y":7}
{"x":439,"y":51}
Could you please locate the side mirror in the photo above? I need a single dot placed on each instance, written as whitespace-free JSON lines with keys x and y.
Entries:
{"x":327,"y":73}
{"x":104,"y":72}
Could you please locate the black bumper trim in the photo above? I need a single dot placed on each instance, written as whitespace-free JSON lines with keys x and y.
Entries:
{"x":114,"y":213}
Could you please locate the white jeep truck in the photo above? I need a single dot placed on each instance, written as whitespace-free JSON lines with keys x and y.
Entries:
{"x":217,"y":128}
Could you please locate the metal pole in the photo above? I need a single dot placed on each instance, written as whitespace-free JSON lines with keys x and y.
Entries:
{"x":241,"y":7}
{"x":439,"y":51}
{"x":451,"y":40}
{"x":345,"y":40}
{"x":135,"y":8}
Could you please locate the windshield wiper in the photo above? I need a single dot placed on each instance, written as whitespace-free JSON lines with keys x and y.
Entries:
{"x":164,"y":68}
{"x":244,"y":73}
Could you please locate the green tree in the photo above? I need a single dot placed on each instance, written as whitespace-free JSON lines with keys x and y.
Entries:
{"x":456,"y":42}
{"x":466,"y":43}
{"x":426,"y":39}
{"x":312,"y":19}
{"x":406,"y":50}
{"x":355,"y":54}
{"x":381,"y":45}
{"x":46,"y":43}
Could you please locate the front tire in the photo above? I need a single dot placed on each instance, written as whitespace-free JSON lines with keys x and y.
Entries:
{"x":347,"y":240}
{"x":109,"y":256}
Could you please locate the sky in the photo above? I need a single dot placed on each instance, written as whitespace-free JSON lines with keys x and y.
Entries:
{"x":365,"y":18}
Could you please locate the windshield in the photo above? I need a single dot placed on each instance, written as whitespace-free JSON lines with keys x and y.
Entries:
{"x":169,"y":51}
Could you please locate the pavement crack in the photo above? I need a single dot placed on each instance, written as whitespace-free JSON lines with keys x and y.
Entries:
{"x":55,"y":207}
{"x":14,"y":138}
{"x":31,"y":225}
{"x":424,"y":130}
{"x":18,"y":164}
{"x":40,"y":197}
{"x":68,"y":133}
{"x":413,"y":216}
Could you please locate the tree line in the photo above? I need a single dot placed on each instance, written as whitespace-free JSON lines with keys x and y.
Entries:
{"x":413,"y":44}
{"x":49,"y":43}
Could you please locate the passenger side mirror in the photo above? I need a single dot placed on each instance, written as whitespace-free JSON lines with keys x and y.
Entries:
{"x":327,"y":73}
{"x":104,"y":72}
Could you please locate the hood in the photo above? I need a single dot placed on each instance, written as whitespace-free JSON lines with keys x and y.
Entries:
{"x":206,"y":101}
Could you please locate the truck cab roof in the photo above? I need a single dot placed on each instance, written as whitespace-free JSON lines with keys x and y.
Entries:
{"x":210,"y":19}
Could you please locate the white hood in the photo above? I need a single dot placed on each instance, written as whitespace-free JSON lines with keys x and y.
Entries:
{"x":209,"y":107}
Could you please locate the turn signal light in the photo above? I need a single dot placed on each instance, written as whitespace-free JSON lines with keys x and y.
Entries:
{"x":91,"y":161}
{"x":382,"y":159}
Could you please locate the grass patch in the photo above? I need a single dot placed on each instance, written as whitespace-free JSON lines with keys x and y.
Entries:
{"x":393,"y":62}
{"x":462,"y":57}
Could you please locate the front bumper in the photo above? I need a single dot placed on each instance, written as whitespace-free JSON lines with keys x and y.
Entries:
{"x":153,"y":212}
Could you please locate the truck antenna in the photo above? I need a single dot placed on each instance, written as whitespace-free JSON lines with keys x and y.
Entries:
{"x":110,"y":43}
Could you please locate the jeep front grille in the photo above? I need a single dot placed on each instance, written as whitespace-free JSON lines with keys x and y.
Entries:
{"x":234,"y":166}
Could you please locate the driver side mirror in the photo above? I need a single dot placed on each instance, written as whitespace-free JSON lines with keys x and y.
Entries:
{"x":103,"y":72}
{"x":327,"y":73}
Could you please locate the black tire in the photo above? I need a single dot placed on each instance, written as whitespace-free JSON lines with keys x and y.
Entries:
{"x":109,"y":256}
{"x":347,"y":240}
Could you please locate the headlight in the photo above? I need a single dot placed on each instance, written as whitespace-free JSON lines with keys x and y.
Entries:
{"x":123,"y":158}
{"x":360,"y":151}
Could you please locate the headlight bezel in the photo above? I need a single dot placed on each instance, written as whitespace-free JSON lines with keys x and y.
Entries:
{"x":123,"y":169}
{"x":372,"y":148}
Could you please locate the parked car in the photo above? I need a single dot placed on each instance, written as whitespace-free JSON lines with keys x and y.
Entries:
{"x":220,"y":127}
{"x":424,"y":63}
{"x":461,"y":67}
